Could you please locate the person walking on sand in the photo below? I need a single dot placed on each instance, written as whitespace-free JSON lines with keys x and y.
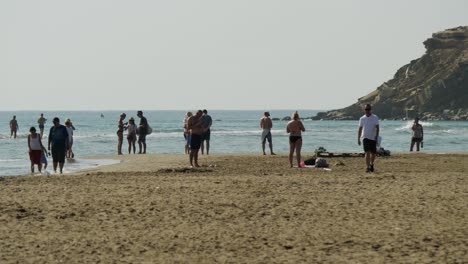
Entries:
{"x":13,"y":127}
{"x":187,"y":132}
{"x":57,"y":141}
{"x":266,"y":124}
{"x":120,"y":131}
{"x":295,"y":128}
{"x":41,"y":121}
{"x":369,"y":132}
{"x":207,"y":122}
{"x":131,"y":134}
{"x":35,"y":149}
{"x":142,"y":132}
{"x":70,"y":129}
{"x":196,"y":131}
{"x":417,"y":134}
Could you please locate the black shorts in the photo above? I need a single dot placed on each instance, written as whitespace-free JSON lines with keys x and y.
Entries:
{"x":58,"y":153}
{"x":416,"y":140}
{"x":293,"y":139}
{"x":195,"y":141}
{"x":206,"y":135}
{"x":370,"y":145}
{"x":142,"y":138}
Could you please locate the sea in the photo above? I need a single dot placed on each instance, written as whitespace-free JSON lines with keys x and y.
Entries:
{"x":233,"y":131}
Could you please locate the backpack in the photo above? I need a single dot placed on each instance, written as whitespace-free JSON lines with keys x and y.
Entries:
{"x":321,"y":163}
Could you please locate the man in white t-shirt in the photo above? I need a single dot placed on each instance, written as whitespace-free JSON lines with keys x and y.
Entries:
{"x":369,"y":132}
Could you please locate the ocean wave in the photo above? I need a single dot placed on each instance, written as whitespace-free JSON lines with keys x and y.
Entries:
{"x":409,"y":125}
{"x":10,"y":160}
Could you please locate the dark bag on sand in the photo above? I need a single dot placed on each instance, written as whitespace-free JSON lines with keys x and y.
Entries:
{"x":321,"y":163}
{"x":310,"y":161}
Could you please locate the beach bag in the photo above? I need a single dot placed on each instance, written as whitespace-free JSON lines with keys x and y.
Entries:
{"x":321,"y":163}
{"x":149,"y":130}
{"x":310,"y":161}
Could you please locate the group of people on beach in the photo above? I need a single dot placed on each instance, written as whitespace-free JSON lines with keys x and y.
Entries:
{"x":133,"y":131}
{"x":60,"y":142}
{"x":197,"y":133}
{"x":368,"y":136}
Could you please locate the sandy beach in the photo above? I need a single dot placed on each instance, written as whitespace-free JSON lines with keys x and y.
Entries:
{"x":240,"y":209}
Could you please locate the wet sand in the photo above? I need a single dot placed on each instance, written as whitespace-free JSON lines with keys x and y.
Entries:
{"x":240,"y":209}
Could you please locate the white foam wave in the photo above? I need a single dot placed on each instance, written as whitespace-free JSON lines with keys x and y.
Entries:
{"x":409,"y":125}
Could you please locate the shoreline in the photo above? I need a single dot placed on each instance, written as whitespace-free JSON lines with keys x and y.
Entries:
{"x":115,"y":162}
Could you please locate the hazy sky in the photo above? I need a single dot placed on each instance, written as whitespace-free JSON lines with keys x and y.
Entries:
{"x":174,"y":54}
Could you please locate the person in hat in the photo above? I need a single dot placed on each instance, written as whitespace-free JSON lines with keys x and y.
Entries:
{"x":266,"y":124}
{"x":120,"y":131}
{"x":131,"y":135}
{"x":417,"y":135}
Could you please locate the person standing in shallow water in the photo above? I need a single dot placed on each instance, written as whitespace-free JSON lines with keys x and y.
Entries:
{"x":35,"y":149}
{"x":13,"y":127}
{"x":295,"y":128}
{"x":418,"y":135}
{"x":58,"y":140}
{"x":120,"y":131}
{"x":369,"y":132}
{"x":41,"y":121}
{"x":266,"y":124}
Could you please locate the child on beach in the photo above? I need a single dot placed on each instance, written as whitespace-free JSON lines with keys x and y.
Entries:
{"x":44,"y":155}
{"x":35,"y":148}
{"x":132,"y":135}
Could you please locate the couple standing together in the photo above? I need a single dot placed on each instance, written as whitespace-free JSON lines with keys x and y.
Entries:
{"x":294,"y":128}
{"x":133,"y":131}
{"x":198,"y":128}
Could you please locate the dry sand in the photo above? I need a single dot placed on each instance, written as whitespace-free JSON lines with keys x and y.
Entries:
{"x":241,"y":209}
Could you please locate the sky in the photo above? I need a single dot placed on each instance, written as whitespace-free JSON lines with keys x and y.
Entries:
{"x":213,"y":54}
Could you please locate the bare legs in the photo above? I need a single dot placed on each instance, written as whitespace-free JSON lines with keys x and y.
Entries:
{"x":39,"y":167}
{"x":271,"y":148}
{"x":418,"y":145}
{"x":60,"y":166}
{"x":295,"y":146}
{"x":207,"y":147}
{"x":142,"y":143}
{"x":370,"y":158}
{"x":120,"y":142}
{"x":194,"y":158}
{"x":131,"y":144}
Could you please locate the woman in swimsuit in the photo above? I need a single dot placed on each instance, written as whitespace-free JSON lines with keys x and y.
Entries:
{"x":294,"y":128}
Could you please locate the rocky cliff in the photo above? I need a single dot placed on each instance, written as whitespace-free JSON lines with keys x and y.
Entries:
{"x":434,"y":86}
